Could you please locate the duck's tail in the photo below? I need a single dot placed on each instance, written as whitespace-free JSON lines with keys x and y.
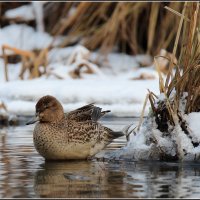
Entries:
{"x":114,"y":134}
{"x":124,"y":132}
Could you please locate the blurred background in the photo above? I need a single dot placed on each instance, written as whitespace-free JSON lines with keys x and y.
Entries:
{"x":130,"y":27}
{"x":98,"y":52}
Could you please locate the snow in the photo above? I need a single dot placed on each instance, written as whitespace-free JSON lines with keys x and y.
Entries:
{"x":107,"y":92}
{"x":182,"y":102}
{"x":24,"y":12}
{"x":79,"y":53}
{"x":183,"y":142}
{"x":25,"y":37}
{"x":38,"y":11}
{"x":33,"y":11}
{"x":149,"y":143}
{"x":162,"y":97}
{"x":193,"y":120}
{"x":110,"y":83}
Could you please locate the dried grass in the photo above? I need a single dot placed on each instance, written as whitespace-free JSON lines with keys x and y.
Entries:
{"x":132,"y":27}
{"x":186,"y":78}
{"x":31,"y":61}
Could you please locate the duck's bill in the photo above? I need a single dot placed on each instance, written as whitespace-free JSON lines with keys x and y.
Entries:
{"x":32,"y":121}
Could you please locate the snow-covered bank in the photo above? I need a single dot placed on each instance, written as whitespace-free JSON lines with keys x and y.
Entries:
{"x":117,"y":82}
{"x":110,"y":89}
{"x":122,"y":97}
{"x":149,"y":143}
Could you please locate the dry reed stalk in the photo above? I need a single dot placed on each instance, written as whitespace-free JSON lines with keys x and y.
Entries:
{"x":40,"y":59}
{"x":81,"y":9}
{"x":152,"y":25}
{"x":64,"y":14}
{"x":191,"y":60}
{"x":163,"y":90}
{"x":186,"y":79}
{"x":187,"y":72}
{"x":177,"y":13}
{"x":106,"y":25}
{"x":16,"y":51}
{"x":169,"y":75}
{"x":167,"y":30}
{"x":30,"y":61}
{"x":142,"y":114}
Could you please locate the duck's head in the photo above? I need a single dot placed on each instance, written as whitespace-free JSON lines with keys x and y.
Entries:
{"x":48,"y":109}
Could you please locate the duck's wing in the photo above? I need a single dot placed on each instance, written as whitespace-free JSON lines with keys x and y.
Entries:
{"x":85,"y":113}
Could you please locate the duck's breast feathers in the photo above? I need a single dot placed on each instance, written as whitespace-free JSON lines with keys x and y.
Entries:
{"x":85,"y":113}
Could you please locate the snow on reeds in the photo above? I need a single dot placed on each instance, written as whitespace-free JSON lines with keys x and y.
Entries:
{"x":168,"y":132}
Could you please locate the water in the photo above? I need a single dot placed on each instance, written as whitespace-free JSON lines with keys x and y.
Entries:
{"x":24,"y":173}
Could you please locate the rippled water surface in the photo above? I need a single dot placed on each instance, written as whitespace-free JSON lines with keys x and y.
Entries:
{"x":23,"y":173}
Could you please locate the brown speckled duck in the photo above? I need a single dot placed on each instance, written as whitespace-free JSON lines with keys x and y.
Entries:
{"x":75,"y":135}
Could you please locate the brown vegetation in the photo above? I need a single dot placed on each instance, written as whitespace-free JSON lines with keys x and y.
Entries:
{"x":134,"y":27}
{"x":186,"y":79}
{"x":31,"y":61}
{"x":131,"y":27}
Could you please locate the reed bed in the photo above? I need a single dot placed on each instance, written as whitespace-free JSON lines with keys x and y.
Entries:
{"x":131,"y":27}
{"x":181,"y":88}
{"x":167,"y":131}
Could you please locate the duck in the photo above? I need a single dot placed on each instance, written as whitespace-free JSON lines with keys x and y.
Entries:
{"x":69,"y":136}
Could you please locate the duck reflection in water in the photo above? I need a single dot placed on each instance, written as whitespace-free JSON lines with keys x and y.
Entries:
{"x":75,"y":179}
